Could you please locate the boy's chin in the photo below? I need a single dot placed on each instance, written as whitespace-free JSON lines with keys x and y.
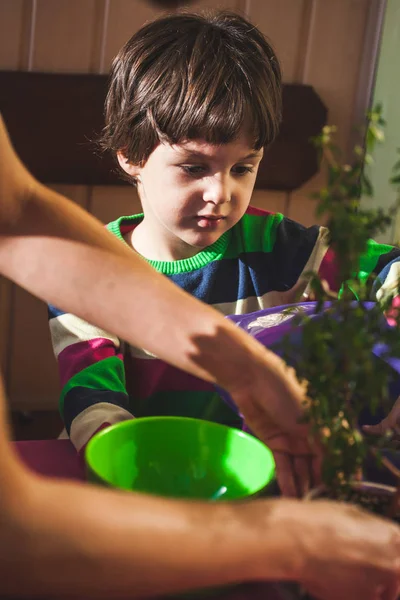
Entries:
{"x":202,"y":240}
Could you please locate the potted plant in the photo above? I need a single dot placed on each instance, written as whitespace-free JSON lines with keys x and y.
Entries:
{"x":346,"y":343}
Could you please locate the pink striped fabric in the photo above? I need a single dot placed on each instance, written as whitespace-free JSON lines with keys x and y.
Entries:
{"x":253,"y":210}
{"x":77,"y":357}
{"x":149,"y":376}
{"x":328,"y":270}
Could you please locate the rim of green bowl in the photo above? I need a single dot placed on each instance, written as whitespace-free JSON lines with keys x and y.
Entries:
{"x":96,"y":439}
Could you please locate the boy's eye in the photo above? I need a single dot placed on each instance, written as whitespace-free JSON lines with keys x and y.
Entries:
{"x":193,"y":169}
{"x":242,"y":170}
{"x":199,"y":170}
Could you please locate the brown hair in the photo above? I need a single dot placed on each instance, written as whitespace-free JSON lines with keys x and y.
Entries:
{"x":188,"y":76}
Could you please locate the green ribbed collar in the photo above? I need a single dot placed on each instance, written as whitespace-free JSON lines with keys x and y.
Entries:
{"x":214,"y":252}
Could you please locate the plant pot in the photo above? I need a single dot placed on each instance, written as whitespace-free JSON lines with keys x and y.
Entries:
{"x":374,"y":497}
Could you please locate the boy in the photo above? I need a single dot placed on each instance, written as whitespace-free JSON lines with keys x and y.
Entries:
{"x":193,"y":100}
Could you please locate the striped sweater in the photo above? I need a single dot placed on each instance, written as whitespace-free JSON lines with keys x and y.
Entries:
{"x":257,"y":264}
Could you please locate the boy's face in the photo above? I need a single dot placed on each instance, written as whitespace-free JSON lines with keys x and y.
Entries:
{"x":191,"y":194}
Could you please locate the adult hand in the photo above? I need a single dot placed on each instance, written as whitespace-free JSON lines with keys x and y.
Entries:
{"x":391,"y":422}
{"x":298,"y":463}
{"x":349,"y":554}
{"x":272,"y":402}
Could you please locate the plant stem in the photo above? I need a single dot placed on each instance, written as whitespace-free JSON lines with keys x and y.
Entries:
{"x":395,"y":503}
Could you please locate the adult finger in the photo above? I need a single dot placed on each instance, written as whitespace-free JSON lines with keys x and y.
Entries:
{"x":378,"y":429}
{"x":316,"y":469}
{"x":285,"y":474}
{"x":303,"y":473}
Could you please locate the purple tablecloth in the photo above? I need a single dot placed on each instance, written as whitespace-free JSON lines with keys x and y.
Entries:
{"x":58,"y":458}
{"x":53,"y":458}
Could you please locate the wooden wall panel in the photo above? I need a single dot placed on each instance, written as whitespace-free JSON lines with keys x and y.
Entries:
{"x":332,"y":66}
{"x":109,"y":203}
{"x":33,"y":378}
{"x":334,"y":58}
{"x":286,"y":24}
{"x":6,"y":300}
{"x":127,"y":16}
{"x":234,"y":5}
{"x":32,"y":369}
{"x":283,"y":23}
{"x":124,"y":18}
{"x":11,"y":20}
{"x":271,"y":201}
{"x":64,"y":35}
{"x":301,"y":206}
{"x":77,"y":193}
{"x":302,"y":209}
{"x":11,"y":28}
{"x":321,"y":45}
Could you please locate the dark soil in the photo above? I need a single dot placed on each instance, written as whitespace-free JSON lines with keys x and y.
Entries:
{"x":374,"y":502}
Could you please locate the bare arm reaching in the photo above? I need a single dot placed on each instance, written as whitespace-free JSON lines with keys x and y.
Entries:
{"x":75,"y":541}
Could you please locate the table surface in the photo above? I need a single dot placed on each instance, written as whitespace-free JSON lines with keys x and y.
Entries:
{"x":58,"y":458}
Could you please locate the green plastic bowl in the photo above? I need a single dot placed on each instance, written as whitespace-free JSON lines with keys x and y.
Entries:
{"x":181,"y":458}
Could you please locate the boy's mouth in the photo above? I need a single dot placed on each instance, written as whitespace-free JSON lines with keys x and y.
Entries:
{"x":209,"y":221}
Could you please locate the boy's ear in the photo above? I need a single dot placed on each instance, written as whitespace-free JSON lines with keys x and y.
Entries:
{"x":129,"y":168}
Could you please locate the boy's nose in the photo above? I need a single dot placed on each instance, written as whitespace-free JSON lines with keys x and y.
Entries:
{"x":217,"y":191}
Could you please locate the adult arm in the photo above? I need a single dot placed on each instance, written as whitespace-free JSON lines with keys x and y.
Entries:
{"x":60,"y":540}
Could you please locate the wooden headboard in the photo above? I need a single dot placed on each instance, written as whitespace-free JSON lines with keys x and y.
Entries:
{"x":54,"y":118}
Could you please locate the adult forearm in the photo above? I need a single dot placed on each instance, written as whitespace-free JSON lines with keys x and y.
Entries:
{"x":61,"y":254}
{"x":89,"y":543}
